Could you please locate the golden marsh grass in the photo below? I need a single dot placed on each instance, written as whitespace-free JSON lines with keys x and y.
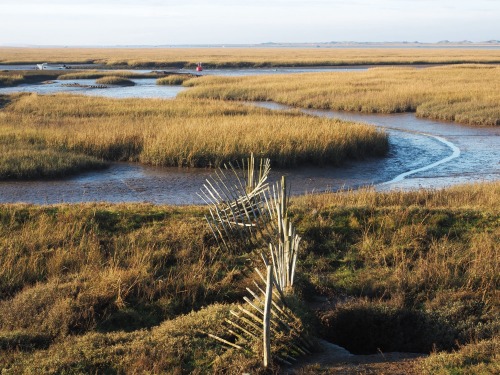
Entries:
{"x":96,"y":74}
{"x":114,"y":80}
{"x":468,"y":94}
{"x":184,"y":132}
{"x":176,"y":79}
{"x":248,"y":57}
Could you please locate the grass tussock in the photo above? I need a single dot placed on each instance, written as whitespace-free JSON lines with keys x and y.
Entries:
{"x":193,"y":133}
{"x":103,"y":288}
{"x":476,"y":358}
{"x":467,"y":94}
{"x":175,"y":79}
{"x":11,"y":80}
{"x":248,"y":57}
{"x":114,"y":80}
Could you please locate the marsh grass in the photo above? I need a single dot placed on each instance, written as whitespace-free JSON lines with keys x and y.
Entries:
{"x":98,"y":74}
{"x":29,"y":158}
{"x":467,"y":94}
{"x":35,"y":163}
{"x":192,"y":133}
{"x":248,"y":57}
{"x":176,"y":79}
{"x":113,"y":80}
{"x":16,"y":77}
{"x":11,"y":80}
{"x":113,"y":281}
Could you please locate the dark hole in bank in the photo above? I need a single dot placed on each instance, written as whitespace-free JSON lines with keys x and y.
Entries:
{"x":370,"y":330}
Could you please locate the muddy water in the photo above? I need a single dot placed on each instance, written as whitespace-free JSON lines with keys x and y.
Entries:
{"x":471,"y":154}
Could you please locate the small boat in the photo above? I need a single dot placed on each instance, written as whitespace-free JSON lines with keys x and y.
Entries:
{"x":46,"y":66}
{"x":199,"y":68}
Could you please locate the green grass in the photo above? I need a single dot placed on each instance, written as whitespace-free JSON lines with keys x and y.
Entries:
{"x":104,"y":288}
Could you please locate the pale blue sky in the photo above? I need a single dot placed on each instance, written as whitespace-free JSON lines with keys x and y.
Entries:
{"x":157,"y":22}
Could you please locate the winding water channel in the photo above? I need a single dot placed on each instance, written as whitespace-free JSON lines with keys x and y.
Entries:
{"x":423,"y":153}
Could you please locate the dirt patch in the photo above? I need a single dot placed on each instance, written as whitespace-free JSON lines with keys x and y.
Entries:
{"x":333,"y":359}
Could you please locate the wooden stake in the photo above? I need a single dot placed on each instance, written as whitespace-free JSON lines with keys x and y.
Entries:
{"x":267,"y":317}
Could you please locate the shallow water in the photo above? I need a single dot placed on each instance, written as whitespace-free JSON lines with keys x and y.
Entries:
{"x":472,"y":153}
{"x":144,"y":88}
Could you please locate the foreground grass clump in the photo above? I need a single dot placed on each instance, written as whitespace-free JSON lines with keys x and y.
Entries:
{"x":175,"y":346}
{"x":193,"y":133}
{"x":467,"y":94}
{"x":476,"y":358}
{"x":409,"y":271}
{"x":113,"y":80}
{"x":97,"y":287}
{"x":106,"y":269}
{"x":247,"y":57}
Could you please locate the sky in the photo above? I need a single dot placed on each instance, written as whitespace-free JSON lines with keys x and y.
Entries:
{"x":181,"y":22}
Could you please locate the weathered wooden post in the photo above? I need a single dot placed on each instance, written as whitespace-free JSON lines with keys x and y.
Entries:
{"x":267,"y":317}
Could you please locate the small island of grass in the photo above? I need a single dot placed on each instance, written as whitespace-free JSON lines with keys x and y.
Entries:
{"x":173,"y":80}
{"x":113,"y":80}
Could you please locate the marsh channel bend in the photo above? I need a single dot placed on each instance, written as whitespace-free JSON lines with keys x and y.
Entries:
{"x":423,"y":154}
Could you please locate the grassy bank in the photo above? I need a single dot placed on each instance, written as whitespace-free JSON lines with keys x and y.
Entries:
{"x":192,"y":133}
{"x":467,"y":94}
{"x":247,"y":57}
{"x":99,"y":287}
{"x":14,"y":78}
{"x":32,"y":162}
